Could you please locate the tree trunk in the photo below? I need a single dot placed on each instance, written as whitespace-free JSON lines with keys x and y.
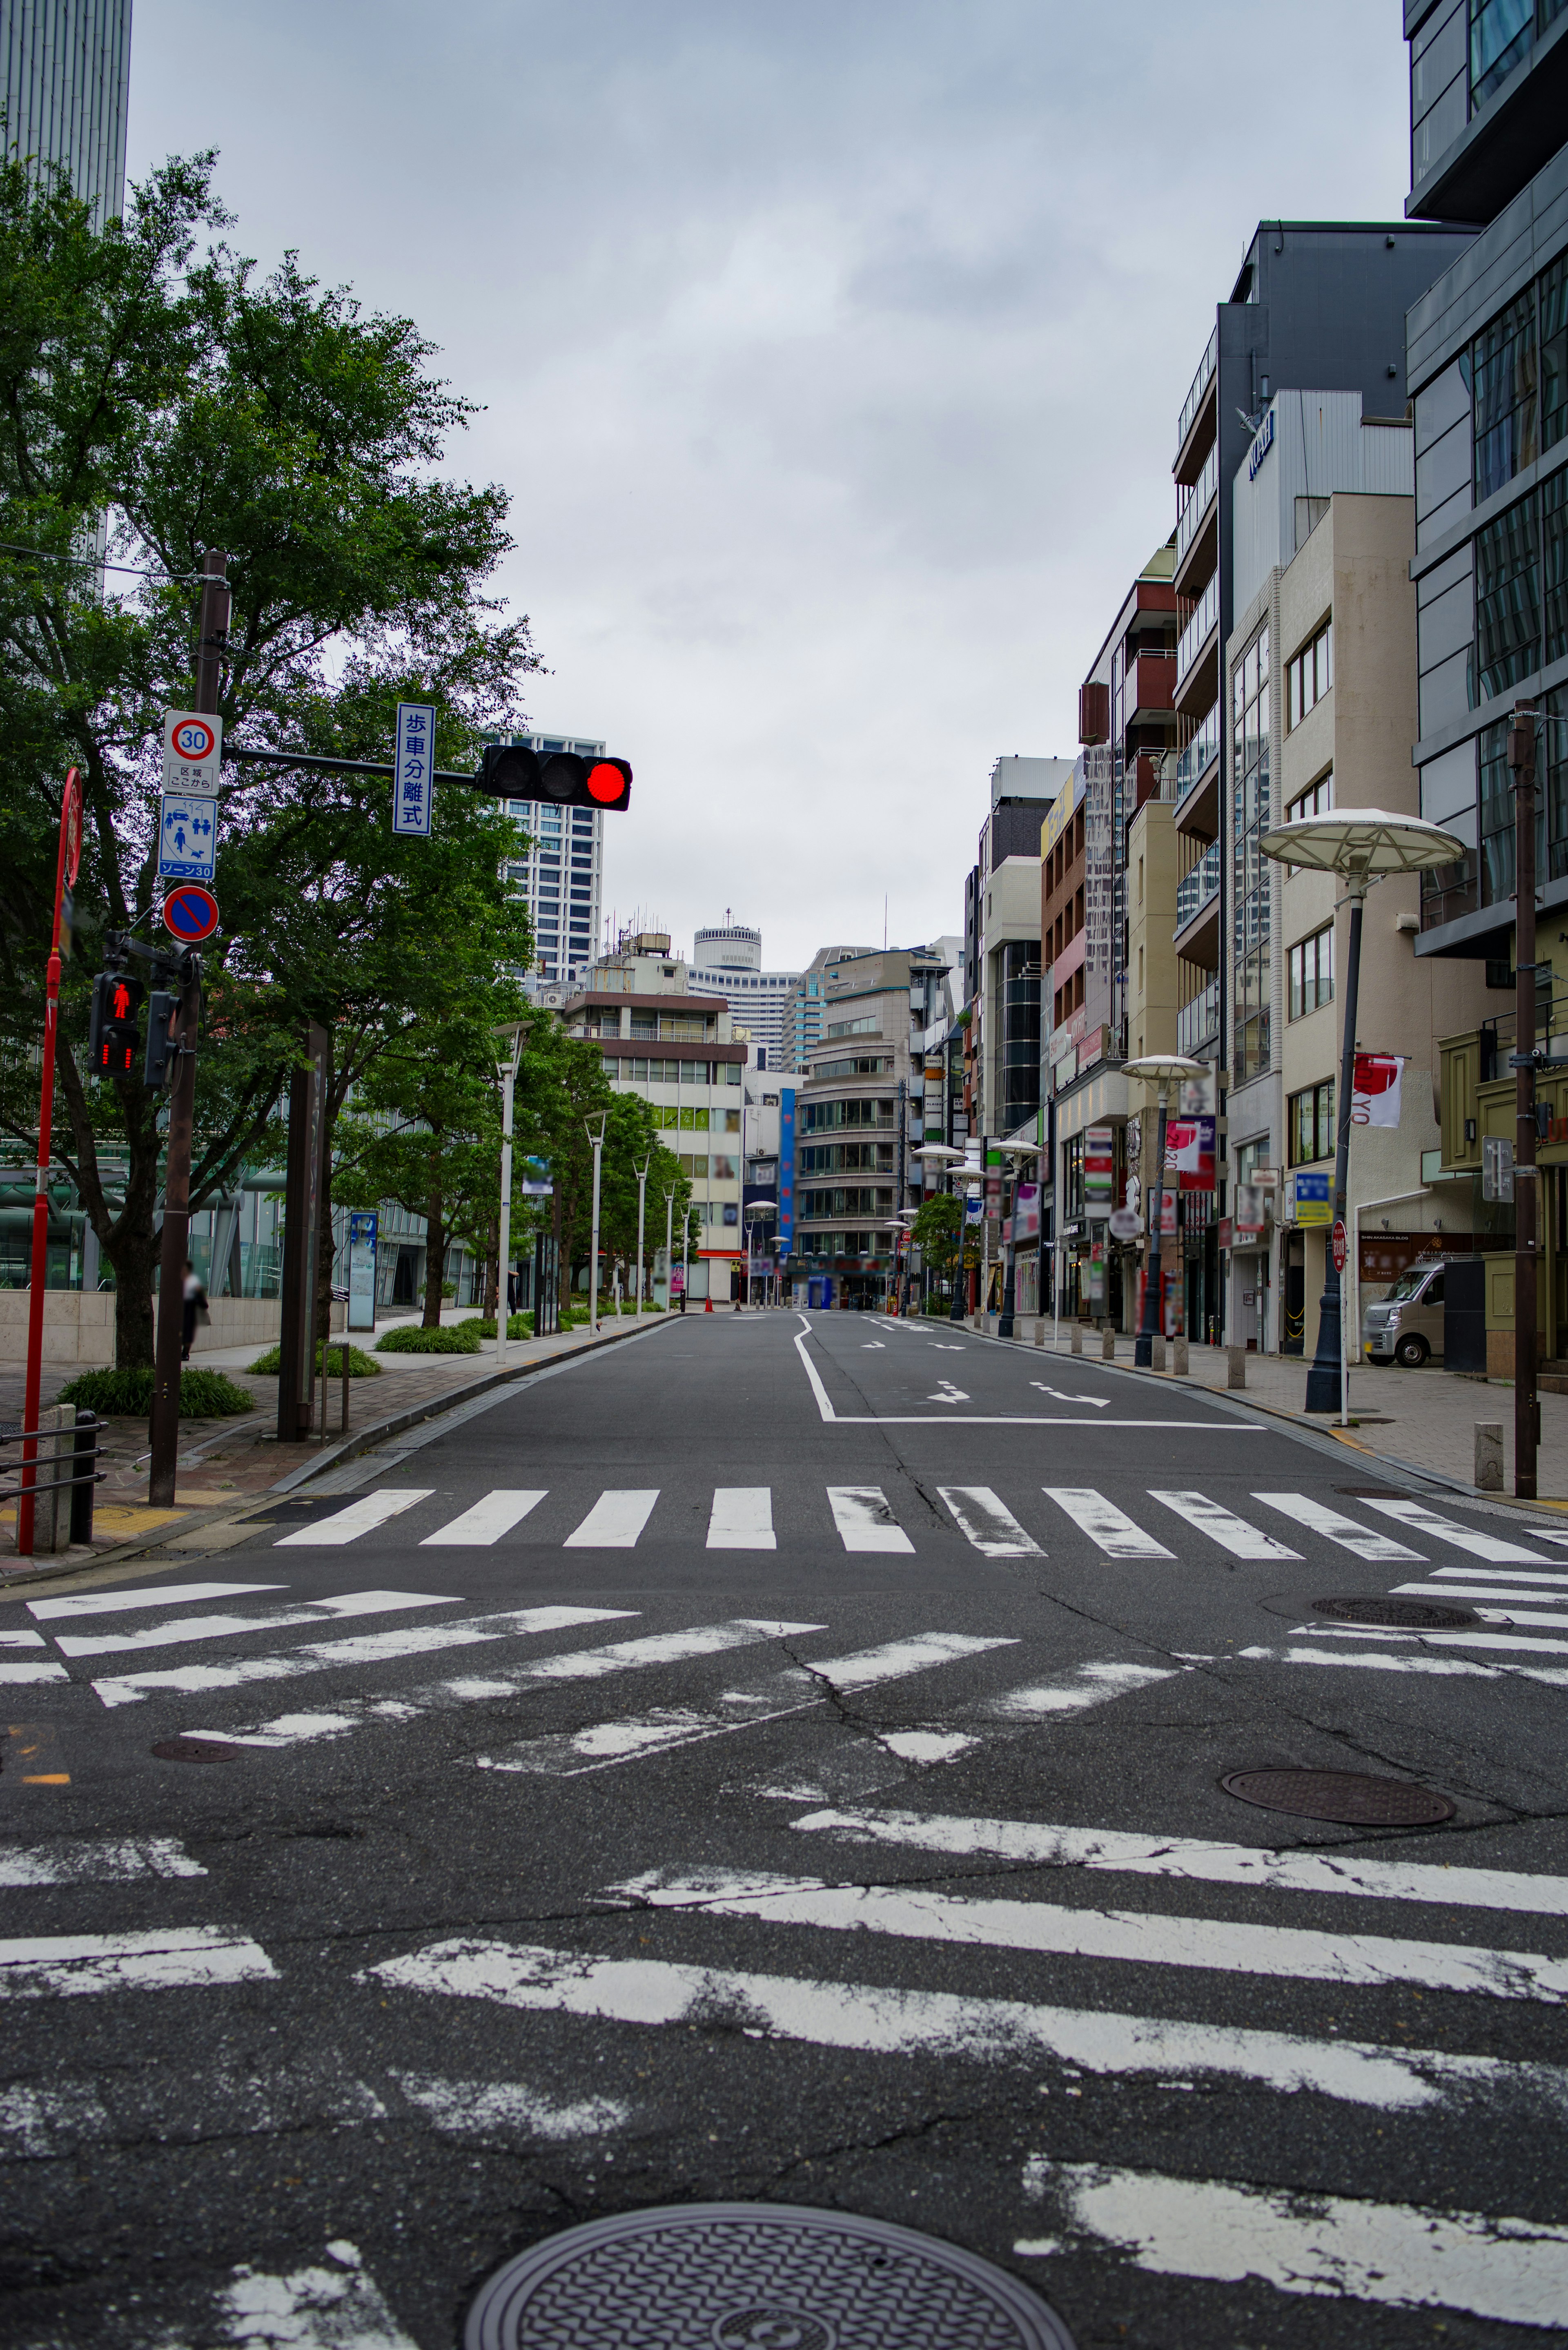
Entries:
{"x":324,"y":1252}
{"x":435,"y":1259}
{"x":133,"y":1253}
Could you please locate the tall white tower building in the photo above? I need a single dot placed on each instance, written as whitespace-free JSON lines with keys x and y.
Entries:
{"x":65,"y":76}
{"x":726,"y":959}
{"x":562,"y":874}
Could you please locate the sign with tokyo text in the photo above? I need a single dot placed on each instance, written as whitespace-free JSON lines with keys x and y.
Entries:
{"x":414,"y":762}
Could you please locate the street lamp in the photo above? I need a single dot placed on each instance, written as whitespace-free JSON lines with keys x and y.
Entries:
{"x":597,"y":1142}
{"x":1005,"y":1319}
{"x":1361,"y":845}
{"x":1164,"y":1070}
{"x":641,"y":1174}
{"x":506,"y":1068}
{"x":943,"y":1156}
{"x":668,"y":1246}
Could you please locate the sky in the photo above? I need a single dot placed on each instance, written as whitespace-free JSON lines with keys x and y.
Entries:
{"x":831,"y":352}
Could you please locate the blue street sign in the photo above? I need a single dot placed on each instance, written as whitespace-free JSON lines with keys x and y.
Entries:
{"x":413,"y":788}
{"x":187,"y":837}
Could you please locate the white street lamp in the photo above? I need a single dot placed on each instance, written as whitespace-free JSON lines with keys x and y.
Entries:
{"x":597,"y":1143}
{"x":1005,"y":1319}
{"x":508,"y":1070}
{"x":641,"y":1174}
{"x":1164,"y":1070}
{"x":669,"y":1247}
{"x":1361,"y":845}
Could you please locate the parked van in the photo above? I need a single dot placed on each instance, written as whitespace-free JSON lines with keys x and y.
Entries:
{"x":1406,"y":1326}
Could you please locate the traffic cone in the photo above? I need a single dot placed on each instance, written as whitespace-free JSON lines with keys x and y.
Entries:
{"x":708,"y":1307}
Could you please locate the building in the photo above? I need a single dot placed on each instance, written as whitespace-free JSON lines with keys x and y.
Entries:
{"x":726,"y":959}
{"x":561,"y":875}
{"x":67,"y":67}
{"x":676,"y":1050}
{"x":767,"y":1206}
{"x":1487,"y":362}
{"x":803,"y":1016}
{"x":1000,"y":979}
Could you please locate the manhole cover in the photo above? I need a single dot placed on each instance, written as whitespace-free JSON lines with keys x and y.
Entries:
{"x":1352,"y":1797}
{"x":193,"y":1750}
{"x":1401,"y":1614}
{"x":755,"y":2276}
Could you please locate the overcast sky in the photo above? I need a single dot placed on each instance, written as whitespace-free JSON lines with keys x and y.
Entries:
{"x":831,"y":351}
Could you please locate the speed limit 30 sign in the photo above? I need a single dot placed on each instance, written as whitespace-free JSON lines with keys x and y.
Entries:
{"x":192,"y":750}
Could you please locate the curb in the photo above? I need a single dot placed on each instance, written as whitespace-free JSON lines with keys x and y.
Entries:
{"x":359,"y":1440}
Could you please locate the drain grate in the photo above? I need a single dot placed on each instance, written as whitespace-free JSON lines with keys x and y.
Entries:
{"x":1354,"y":1798}
{"x":1399,"y":1615}
{"x":755,"y":2276}
{"x":194,"y":1750}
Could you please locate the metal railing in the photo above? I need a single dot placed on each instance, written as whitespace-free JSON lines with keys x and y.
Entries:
{"x":1190,"y":642}
{"x":1198,"y":754}
{"x":1198,"y":1022}
{"x":1198,"y":889}
{"x":65,"y":1461}
{"x":1200,"y":383}
{"x":1198,"y":504}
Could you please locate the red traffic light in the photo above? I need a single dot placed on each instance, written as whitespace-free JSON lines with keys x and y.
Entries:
{"x":561,"y":777}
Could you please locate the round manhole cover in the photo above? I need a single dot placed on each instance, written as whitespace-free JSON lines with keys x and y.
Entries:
{"x":1355,"y":1798}
{"x":193,"y":1750}
{"x":1399,"y":1615}
{"x":755,"y":2276}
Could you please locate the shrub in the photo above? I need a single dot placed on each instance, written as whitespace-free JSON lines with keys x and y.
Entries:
{"x":204,"y":1395}
{"x":408,"y":1338}
{"x":518,"y":1326}
{"x":361,"y":1366}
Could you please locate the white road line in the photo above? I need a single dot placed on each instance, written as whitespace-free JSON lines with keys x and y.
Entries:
{"x":1319,"y":1519}
{"x":487,"y":1521}
{"x":1223,"y":1525}
{"x":1513,"y":2271}
{"x":890,"y":2022}
{"x":79,"y":1861}
{"x":985,"y":1521}
{"x":165,"y":1595}
{"x":1429,"y":1640}
{"x":1452,"y":1887}
{"x":1115,"y":1532}
{"x":1387,"y":1661}
{"x":1549,"y":1585}
{"x":1220,"y":1944}
{"x":1499,"y":1595}
{"x":177,"y":1958}
{"x":16,"y":1671}
{"x":185,"y":1629}
{"x":1422,"y":1521}
{"x":369,"y":1649}
{"x":615,"y":1520}
{"x":1076,"y":1692}
{"x":361,"y":1517}
{"x":864,"y":1520}
{"x":742,"y":1518}
{"x":506,"y":2109}
{"x":335,"y":2307}
{"x":869,"y":1667}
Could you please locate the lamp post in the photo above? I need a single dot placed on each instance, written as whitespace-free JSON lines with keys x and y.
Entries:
{"x":669,"y":1245}
{"x":597,"y":1142}
{"x":1006,"y":1320}
{"x":641,"y":1174}
{"x":1164,"y":1070}
{"x":508,"y":1070}
{"x":1361,"y":845}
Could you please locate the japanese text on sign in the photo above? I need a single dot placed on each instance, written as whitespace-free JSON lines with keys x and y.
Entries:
{"x":414,"y":766}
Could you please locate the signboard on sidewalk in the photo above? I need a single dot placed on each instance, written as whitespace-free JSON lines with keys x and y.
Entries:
{"x":362,"y":1225}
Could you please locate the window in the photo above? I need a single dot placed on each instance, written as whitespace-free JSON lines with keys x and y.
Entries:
{"x":1309,"y":676}
{"x":1317,"y":800}
{"x":1312,"y":972}
{"x":1508,"y":605}
{"x":1553,"y":293}
{"x":1502,"y":35}
{"x":1250,"y":883}
{"x":1247,"y":1157}
{"x":1503,"y":393}
{"x":1311,"y":1124}
{"x":868,"y":1027}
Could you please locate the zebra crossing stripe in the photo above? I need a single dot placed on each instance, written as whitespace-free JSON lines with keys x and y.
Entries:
{"x":181,"y":1629}
{"x":984,"y":1521}
{"x":615,"y":1520}
{"x":1076,"y":1692}
{"x":1550,"y":1586}
{"x":336,"y":2306}
{"x":487,"y":1521}
{"x":1433,"y":1639}
{"x":742,"y":1518}
{"x":182,"y":1958}
{"x":1498,"y":1594}
{"x":1422,"y":1521}
{"x":368,"y":1649}
{"x":1498,"y":1610}
{"x":1512,"y":2272}
{"x":1389,"y":1661}
{"x":361,"y":1517}
{"x":82,"y":1861}
{"x":115,"y":1603}
{"x":1111,"y":1529}
{"x":1341,"y":1872}
{"x":1378,"y":1550}
{"x":1220,"y":1944}
{"x":35,"y":1667}
{"x":864,"y":1520}
{"x":871,"y":2020}
{"x":1223,"y":1525}
{"x":508,"y":2110}
{"x":869,"y":1667}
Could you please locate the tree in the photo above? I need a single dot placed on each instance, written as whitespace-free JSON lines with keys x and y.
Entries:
{"x":936,"y":1231}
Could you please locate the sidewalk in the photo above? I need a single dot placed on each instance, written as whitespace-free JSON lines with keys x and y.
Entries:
{"x":1423,"y":1419}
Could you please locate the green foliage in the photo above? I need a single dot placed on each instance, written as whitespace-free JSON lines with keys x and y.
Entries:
{"x":518,"y":1326}
{"x":409,"y":1339}
{"x":128,"y":1394}
{"x":361,"y":1366}
{"x":939,"y":1222}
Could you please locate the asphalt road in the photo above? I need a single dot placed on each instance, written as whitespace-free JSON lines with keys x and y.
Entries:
{"x":779,"y":1759}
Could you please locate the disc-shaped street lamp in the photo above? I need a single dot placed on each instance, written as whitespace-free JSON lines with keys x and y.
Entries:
{"x":1362,"y":846}
{"x":1164,"y":1070}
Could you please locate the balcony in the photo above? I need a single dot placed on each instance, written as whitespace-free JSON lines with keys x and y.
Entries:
{"x":1198,"y":1022}
{"x":1195,"y":890}
{"x":1190,"y":642}
{"x":1199,"y":755}
{"x":1194,"y":400}
{"x":1149,"y":679}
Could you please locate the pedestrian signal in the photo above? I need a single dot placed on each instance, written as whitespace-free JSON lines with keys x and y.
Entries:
{"x":161,"y":1052}
{"x":113,"y":1036}
{"x":562,"y":778}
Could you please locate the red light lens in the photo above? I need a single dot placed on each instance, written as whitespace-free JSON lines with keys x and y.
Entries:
{"x":604,"y":782}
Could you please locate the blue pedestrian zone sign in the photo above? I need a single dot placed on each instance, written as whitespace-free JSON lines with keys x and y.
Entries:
{"x":413,"y":789}
{"x":187,"y":837}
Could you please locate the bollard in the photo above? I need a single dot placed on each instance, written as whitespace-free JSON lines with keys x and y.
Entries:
{"x":84,"y":1470}
{"x":1040,"y":1333}
{"x":1156,"y":1353}
{"x":1077,"y":1337}
{"x":1489,"y":1455}
{"x":344,"y":1385}
{"x":56,"y":1460}
{"x":1107,"y":1345}
{"x":1178,"y":1355}
{"x":1235,"y":1367}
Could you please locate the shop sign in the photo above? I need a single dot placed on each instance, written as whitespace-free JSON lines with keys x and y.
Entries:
{"x":1099,"y":1169}
{"x":1026,"y":1213}
{"x":1312,"y":1204}
{"x":1189,"y":1152}
{"x":1249,"y":1216}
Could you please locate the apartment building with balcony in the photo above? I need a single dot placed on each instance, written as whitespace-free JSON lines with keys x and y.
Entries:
{"x":1001,"y":972}
{"x":1487,"y":358}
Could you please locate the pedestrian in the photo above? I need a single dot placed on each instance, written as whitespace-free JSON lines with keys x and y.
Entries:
{"x":195,"y":1309}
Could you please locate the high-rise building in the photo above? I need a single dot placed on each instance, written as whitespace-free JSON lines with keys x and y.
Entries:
{"x":66,"y":68}
{"x":803,"y":1019}
{"x":726,"y":959}
{"x":561,"y":875}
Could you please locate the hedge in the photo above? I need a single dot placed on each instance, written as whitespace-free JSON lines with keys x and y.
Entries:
{"x":361,"y":1366}
{"x":408,"y":1338}
{"x":127,"y":1394}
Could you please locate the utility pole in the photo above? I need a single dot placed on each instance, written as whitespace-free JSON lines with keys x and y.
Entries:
{"x":597,"y":1143}
{"x":641,"y":1173}
{"x":1526,"y":1409}
{"x":212,"y":644}
{"x":508,"y":1070}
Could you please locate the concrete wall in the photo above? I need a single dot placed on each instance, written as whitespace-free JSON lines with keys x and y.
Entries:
{"x":78,"y":1327}
{"x":1151,"y":879}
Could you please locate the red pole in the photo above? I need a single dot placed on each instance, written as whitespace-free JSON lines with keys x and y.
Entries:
{"x":69,"y":806}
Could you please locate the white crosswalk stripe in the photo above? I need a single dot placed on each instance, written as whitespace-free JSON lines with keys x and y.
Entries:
{"x":1106,"y":1526}
{"x":615,"y":1520}
{"x":1500,"y":1594}
{"x":83,"y":1861}
{"x":864,"y":1520}
{"x":177,"y":1631}
{"x":163,"y":1595}
{"x":1475,"y":1539}
{"x":179,"y":1957}
{"x":487,"y":1521}
{"x":986,"y":1522}
{"x":1377,"y":1549}
{"x":1223,"y":1525}
{"x":361,"y":1517}
{"x":34,"y":1664}
{"x":742,"y":1518}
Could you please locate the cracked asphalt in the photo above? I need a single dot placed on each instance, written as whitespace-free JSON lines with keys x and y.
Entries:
{"x":535,"y":1879}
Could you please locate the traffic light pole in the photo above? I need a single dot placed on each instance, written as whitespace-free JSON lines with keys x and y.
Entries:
{"x":1526,"y":1411}
{"x":213,"y":629}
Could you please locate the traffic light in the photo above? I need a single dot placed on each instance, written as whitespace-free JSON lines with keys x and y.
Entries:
{"x":564,"y":778}
{"x":161,"y":1053}
{"x":113,"y":1036}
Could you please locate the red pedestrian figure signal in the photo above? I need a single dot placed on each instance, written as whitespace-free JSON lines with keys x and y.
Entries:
{"x":114,"y":1039}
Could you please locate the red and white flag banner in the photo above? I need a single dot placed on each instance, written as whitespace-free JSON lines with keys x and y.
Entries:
{"x":1375,"y":1097}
